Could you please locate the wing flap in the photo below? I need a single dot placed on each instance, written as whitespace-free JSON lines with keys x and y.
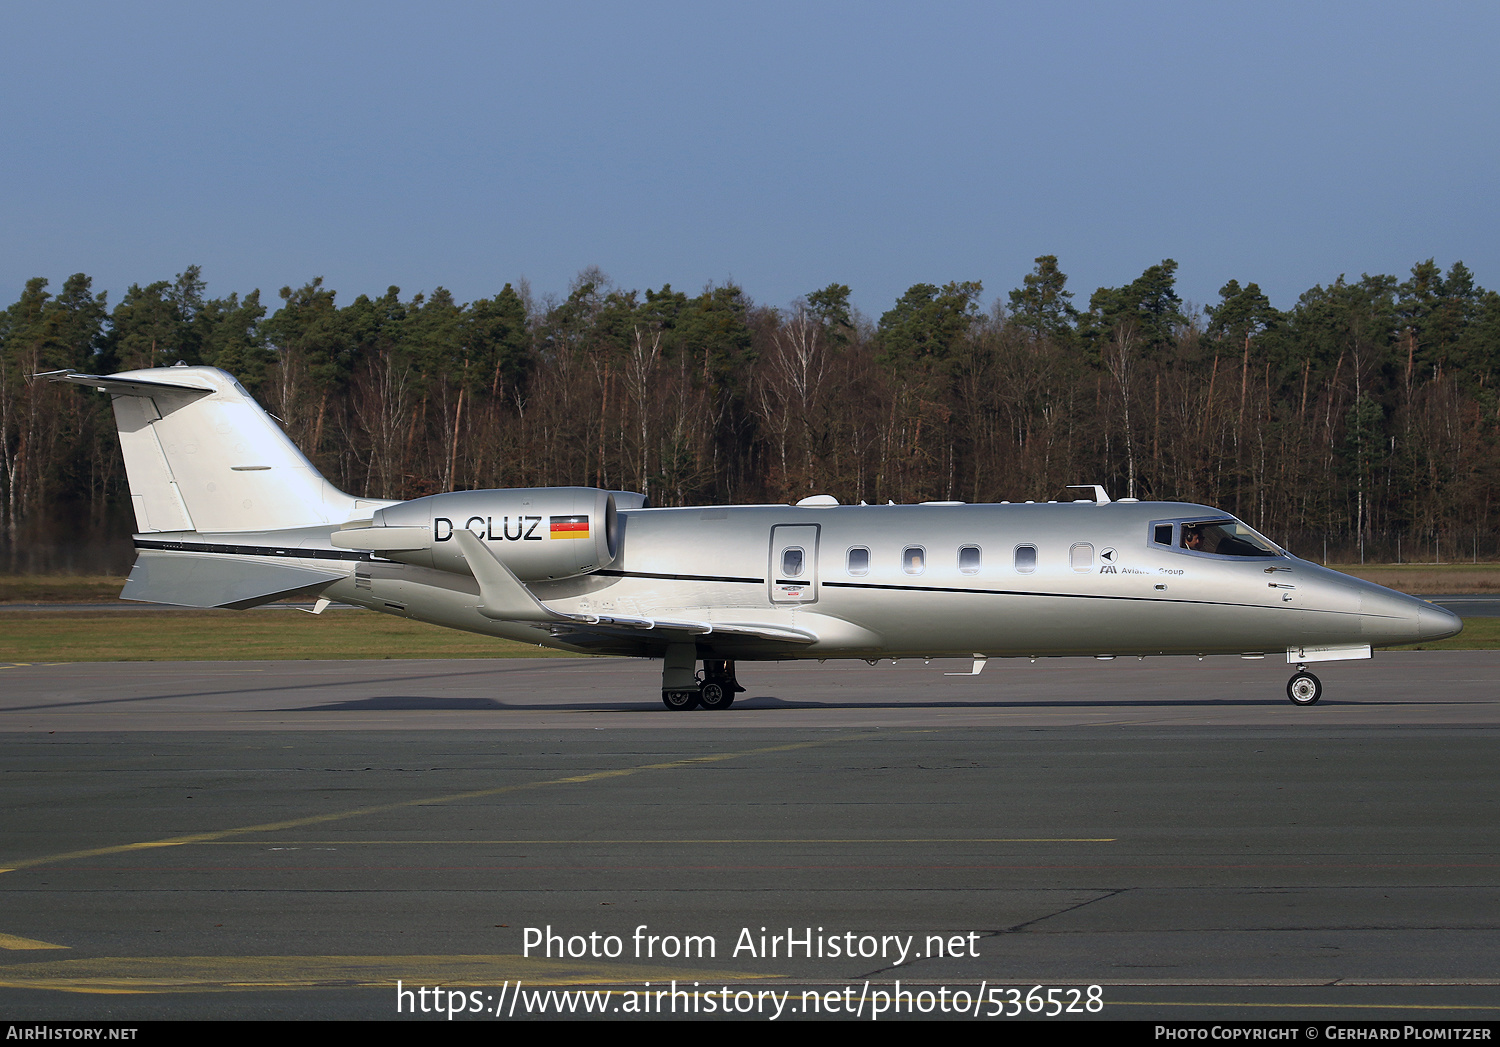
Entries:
{"x":755,"y":630}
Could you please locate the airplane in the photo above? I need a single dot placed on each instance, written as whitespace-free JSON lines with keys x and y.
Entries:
{"x":230,"y":513}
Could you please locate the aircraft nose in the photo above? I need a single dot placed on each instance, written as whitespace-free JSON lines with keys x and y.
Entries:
{"x":1437,"y":623}
{"x":1388,"y":617}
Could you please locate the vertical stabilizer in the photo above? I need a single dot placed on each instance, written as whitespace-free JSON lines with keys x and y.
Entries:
{"x":201,"y":455}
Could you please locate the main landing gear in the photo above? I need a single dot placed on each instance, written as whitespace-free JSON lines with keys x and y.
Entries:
{"x":719,"y":685}
{"x":681,"y":687}
{"x":680,"y":699}
{"x":1304,"y":688}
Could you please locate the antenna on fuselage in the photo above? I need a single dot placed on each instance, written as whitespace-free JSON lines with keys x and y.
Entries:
{"x":1099,"y":496}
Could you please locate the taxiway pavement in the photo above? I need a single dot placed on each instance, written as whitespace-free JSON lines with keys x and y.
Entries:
{"x":291,"y":839}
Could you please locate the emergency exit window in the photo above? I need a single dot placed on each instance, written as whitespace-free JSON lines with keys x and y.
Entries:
{"x":792,"y":560}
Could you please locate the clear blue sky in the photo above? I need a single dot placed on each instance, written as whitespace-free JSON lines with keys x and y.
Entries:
{"x":781,"y":146}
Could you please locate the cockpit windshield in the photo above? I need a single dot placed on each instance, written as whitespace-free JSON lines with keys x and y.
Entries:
{"x":1220,"y":537}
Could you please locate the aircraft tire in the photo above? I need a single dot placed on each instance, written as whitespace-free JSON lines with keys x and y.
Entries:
{"x":715,"y":695}
{"x":680,"y":701}
{"x":1304,"y":689}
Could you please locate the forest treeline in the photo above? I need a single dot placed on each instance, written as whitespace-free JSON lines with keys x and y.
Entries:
{"x":1367,"y":409}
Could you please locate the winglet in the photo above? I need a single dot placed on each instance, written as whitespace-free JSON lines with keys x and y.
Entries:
{"x":501,"y":594}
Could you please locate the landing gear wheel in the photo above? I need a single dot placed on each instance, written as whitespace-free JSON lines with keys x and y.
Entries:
{"x":721,"y":670}
{"x":680,"y":701}
{"x":716,"y":695}
{"x":1304,"y":689}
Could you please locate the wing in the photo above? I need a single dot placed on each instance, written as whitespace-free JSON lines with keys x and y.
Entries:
{"x":503,"y":597}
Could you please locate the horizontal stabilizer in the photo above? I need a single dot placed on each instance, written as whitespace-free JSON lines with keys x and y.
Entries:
{"x":206,"y":580}
{"x":169,"y":396}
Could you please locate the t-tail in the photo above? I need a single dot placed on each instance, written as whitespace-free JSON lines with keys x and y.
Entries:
{"x":211,"y":472}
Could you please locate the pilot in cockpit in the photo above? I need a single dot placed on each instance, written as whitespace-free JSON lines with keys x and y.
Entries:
{"x":1225,"y":538}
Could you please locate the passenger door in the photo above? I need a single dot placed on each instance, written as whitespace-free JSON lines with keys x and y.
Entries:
{"x":792,"y":573}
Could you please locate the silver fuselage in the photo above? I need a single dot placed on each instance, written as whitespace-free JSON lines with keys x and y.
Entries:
{"x":1100,"y":586}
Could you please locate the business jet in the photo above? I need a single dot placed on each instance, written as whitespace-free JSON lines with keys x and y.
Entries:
{"x":231,"y":514}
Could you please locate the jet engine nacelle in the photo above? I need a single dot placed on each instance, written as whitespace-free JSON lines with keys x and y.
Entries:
{"x":539,"y":533}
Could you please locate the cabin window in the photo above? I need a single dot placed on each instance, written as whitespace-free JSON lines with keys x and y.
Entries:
{"x":1025,"y":559}
{"x":1163,"y":534}
{"x":792,"y":560}
{"x":1081,"y":557}
{"x":859,"y":561}
{"x":913,"y":559}
{"x":969,"y":559}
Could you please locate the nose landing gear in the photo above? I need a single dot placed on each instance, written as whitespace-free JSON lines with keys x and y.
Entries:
{"x":1304,"y":688}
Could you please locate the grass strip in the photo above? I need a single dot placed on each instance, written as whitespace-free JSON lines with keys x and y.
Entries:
{"x":1417,"y":578}
{"x":283,"y":634}
{"x":60,"y":588}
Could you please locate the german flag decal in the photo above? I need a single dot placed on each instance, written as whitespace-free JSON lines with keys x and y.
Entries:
{"x":570,"y":527}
